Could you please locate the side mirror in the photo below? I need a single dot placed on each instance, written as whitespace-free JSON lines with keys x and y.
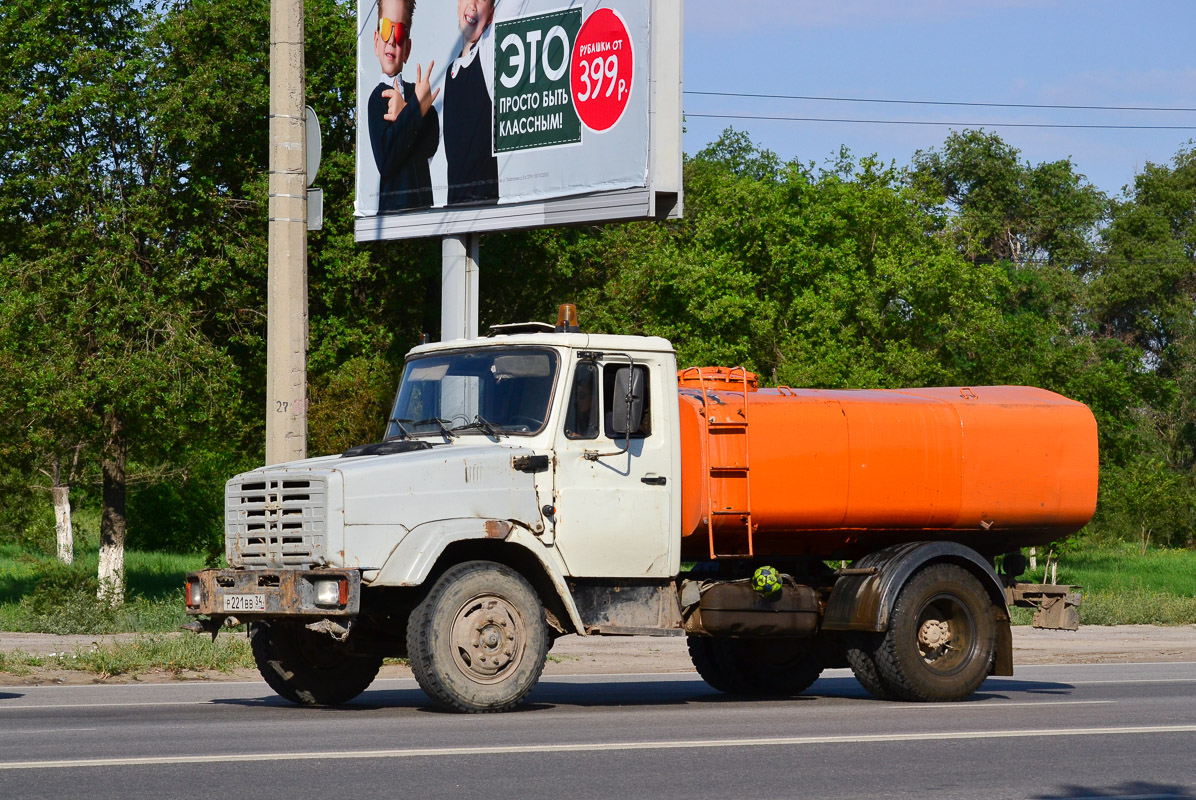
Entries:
{"x":627,"y":406}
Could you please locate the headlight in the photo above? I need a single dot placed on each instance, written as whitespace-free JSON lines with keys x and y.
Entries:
{"x":331,"y":592}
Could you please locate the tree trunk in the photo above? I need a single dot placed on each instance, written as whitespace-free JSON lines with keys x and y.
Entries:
{"x":61,"y":496}
{"x":113,"y":521}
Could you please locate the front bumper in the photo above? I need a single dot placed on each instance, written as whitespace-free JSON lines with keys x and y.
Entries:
{"x":268,"y":593}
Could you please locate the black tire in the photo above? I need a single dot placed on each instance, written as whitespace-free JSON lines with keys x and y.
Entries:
{"x":860,"y":650}
{"x":309,"y":668}
{"x":756,"y":667}
{"x":478,"y":641}
{"x":941,"y":638}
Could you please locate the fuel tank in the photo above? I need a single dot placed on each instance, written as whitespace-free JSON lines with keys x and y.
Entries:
{"x":839,"y":473}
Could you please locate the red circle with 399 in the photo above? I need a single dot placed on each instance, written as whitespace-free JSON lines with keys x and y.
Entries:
{"x":601,"y":70}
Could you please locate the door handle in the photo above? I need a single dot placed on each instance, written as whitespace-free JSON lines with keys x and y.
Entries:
{"x":654,"y":480}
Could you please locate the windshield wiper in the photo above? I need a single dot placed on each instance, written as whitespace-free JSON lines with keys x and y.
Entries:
{"x":403,"y":432}
{"x":440,"y":422}
{"x":480,"y":422}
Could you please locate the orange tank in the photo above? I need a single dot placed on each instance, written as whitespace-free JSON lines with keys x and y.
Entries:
{"x":836,"y":474}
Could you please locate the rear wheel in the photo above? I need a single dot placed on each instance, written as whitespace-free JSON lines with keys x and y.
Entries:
{"x":941,"y":638}
{"x":309,"y":668}
{"x":860,"y":657}
{"x":478,"y":641}
{"x":756,"y":667}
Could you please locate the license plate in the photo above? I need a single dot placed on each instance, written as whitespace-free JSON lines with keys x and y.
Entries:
{"x":244,"y":602}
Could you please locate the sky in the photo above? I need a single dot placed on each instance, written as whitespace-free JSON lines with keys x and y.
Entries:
{"x":1040,"y":52}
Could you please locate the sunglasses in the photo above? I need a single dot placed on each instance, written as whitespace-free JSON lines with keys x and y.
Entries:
{"x":386,"y":29}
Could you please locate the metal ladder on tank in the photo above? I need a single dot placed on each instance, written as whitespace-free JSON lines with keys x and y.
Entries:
{"x":729,"y":476}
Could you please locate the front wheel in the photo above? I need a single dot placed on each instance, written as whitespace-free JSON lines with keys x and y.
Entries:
{"x":309,"y":668}
{"x":478,"y":641}
{"x":941,"y":638}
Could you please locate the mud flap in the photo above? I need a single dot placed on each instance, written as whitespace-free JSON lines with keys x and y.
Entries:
{"x":1003,"y":658}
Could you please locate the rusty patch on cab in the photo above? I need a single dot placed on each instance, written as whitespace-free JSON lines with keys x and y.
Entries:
{"x":497,"y":529}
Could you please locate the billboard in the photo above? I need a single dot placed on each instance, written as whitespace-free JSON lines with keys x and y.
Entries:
{"x":482,"y":115}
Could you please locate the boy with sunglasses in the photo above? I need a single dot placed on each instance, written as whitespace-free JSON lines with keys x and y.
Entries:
{"x":404,"y":127}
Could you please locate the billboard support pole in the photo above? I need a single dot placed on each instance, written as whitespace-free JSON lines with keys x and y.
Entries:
{"x":286,"y":311}
{"x":459,"y":286}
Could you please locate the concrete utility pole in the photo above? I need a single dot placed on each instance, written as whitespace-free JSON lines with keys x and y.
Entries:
{"x":459,"y":286}
{"x":286,"y":326}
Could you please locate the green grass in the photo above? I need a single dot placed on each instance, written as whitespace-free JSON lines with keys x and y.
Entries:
{"x":1120,"y":569}
{"x":37,"y":594}
{"x":175,"y":654}
{"x":1137,"y":608}
{"x":1122,"y":587}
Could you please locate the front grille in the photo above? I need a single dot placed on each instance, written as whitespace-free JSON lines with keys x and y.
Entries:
{"x":276,"y":521}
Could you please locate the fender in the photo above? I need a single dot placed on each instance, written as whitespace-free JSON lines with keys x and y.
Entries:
{"x":863,"y":602}
{"x":413,"y":558}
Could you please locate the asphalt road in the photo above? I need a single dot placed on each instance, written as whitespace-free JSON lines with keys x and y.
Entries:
{"x":1052,"y":731}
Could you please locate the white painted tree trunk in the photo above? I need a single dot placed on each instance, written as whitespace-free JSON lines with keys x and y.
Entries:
{"x":111,"y":573}
{"x":62,"y":523}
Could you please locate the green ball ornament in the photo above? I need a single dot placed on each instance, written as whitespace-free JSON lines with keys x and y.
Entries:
{"x":766,"y":581}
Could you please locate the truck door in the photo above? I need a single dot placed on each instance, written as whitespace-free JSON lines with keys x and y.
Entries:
{"x":614,"y":509}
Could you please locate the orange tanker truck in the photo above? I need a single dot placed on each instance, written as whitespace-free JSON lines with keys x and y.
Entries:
{"x":543,"y":481}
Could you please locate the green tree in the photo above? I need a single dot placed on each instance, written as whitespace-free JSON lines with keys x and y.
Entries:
{"x":1004,"y":209}
{"x":831,"y":277}
{"x":102,"y":344}
{"x":1143,"y":300}
{"x":367,"y":303}
{"x":1144,"y":287}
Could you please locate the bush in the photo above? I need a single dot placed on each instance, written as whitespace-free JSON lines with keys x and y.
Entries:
{"x":1146,"y":503}
{"x":184,"y":515}
{"x":64,"y":600}
{"x":349,"y":404}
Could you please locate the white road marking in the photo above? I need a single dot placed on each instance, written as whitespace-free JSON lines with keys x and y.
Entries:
{"x":1132,"y":680}
{"x":1132,"y":797}
{"x":1105,"y":664}
{"x":592,"y":747}
{"x":54,"y":707}
{"x":997,"y":704}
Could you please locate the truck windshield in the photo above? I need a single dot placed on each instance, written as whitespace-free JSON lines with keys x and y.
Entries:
{"x":487,"y":391}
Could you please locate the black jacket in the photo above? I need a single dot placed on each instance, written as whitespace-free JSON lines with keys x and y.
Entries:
{"x":401,"y":151}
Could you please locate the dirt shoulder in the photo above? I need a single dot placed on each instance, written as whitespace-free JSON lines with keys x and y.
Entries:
{"x":577,"y":655}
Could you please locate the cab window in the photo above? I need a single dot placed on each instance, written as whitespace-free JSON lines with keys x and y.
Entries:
{"x":640,"y":428}
{"x":581,"y":419}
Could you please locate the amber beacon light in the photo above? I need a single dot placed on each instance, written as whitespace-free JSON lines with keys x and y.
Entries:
{"x":566,"y":319}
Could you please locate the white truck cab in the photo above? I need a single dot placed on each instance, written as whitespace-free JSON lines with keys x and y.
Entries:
{"x":601,"y":505}
{"x":525,"y":438}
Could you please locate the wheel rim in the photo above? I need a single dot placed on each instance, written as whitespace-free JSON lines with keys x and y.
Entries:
{"x":946,"y":634}
{"x":488,"y":638}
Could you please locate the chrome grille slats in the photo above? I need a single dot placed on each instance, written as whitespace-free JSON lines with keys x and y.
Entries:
{"x":276,"y":520}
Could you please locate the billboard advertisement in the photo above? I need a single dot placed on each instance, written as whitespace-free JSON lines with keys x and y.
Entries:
{"x":478,"y":115}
